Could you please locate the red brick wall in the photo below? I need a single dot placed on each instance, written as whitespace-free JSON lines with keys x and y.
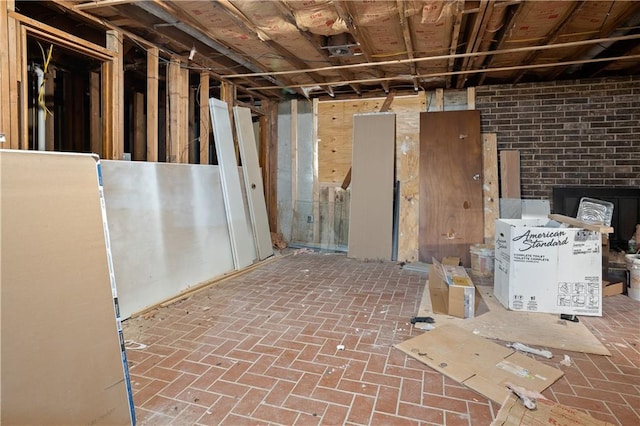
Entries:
{"x":580,"y":132}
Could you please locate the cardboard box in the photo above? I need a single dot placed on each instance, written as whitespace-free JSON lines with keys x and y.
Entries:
{"x":612,"y":288}
{"x":542,"y":268}
{"x":452,"y":291}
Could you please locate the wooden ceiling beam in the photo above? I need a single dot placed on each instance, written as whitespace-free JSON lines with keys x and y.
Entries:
{"x":248,"y":26}
{"x":605,"y":32}
{"x":474,"y":40}
{"x":100,"y":3}
{"x":406,"y":34}
{"x":552,"y":37}
{"x":455,"y":35}
{"x":444,"y":74}
{"x":504,"y":34}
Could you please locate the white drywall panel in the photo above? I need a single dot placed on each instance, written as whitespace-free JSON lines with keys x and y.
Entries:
{"x":242,"y":245}
{"x":253,"y":182}
{"x":168,"y":229}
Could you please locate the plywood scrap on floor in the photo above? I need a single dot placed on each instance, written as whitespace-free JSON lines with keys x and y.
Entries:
{"x":242,"y":244}
{"x":253,"y":182}
{"x":61,"y":356}
{"x":478,"y":363}
{"x":492,"y":320}
{"x":547,"y":412}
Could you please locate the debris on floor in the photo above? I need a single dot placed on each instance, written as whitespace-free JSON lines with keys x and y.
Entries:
{"x":478,"y":363}
{"x":524,"y":348}
{"x":514,"y":413}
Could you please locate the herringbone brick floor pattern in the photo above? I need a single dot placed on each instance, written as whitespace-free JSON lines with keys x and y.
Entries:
{"x":262,"y":349}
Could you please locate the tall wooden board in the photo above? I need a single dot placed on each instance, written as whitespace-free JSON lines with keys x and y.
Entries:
{"x":241,"y":239}
{"x":490,"y":185}
{"x":61,"y":355}
{"x":372,"y":179}
{"x":253,"y":182}
{"x":451,"y":210}
{"x":509,"y":174}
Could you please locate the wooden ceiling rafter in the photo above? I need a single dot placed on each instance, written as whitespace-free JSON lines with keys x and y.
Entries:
{"x":485,"y":70}
{"x":94,"y":4}
{"x":288,"y":16}
{"x":474,"y":40}
{"x":606,"y":31}
{"x":408,"y":43}
{"x":342,"y":8}
{"x":503,"y":36}
{"x":186,"y":24}
{"x":552,"y":37}
{"x":453,"y":49}
{"x":248,"y":26}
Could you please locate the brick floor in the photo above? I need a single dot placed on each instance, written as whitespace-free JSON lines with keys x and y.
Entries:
{"x":261,"y":348}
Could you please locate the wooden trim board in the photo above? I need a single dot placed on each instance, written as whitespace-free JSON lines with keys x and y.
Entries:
{"x":510,"y":174}
{"x":253,"y":182}
{"x":241,"y":239}
{"x":490,"y":196}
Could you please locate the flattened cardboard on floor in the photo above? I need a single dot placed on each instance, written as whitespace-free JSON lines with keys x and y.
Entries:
{"x":513,"y":413}
{"x":478,"y":363}
{"x":61,"y":357}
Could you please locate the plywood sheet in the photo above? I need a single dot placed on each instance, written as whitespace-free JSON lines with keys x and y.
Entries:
{"x":253,"y":182}
{"x":372,"y":180}
{"x":335,"y":129}
{"x":494,"y":321}
{"x":168,"y":229}
{"x":451,"y":207}
{"x":490,"y":193}
{"x":478,"y":363}
{"x":61,"y":357}
{"x":242,"y":245}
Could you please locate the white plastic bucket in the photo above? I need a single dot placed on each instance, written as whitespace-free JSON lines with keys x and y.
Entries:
{"x":633,"y":265}
{"x":481,"y":260}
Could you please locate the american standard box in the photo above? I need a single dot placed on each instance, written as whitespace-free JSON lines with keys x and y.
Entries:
{"x":540,"y":267}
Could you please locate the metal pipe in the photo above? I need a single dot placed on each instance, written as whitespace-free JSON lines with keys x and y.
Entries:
{"x":40,"y":114}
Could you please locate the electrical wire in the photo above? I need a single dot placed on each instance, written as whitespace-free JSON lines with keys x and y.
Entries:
{"x":46,"y":58}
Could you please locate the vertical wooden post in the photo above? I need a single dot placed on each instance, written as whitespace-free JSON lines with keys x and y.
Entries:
{"x":269,"y":160}
{"x":152,"y":104}
{"x":108,"y":121}
{"x":205,"y":119}
{"x":95,"y":128}
{"x":139,"y":149}
{"x":173,"y":135}
{"x":5,"y":110}
{"x":18,"y":140}
{"x":114,"y":43}
{"x":439,"y":106}
{"x":183,"y":129}
{"x":23,"y":107}
{"x":315,"y":184}
{"x":471,"y":98}
{"x":228,"y":94}
{"x":193,"y":158}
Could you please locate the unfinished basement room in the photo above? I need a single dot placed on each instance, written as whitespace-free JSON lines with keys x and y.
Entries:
{"x":320,"y":212}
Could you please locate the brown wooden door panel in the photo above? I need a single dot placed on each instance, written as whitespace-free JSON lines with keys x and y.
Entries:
{"x":451,"y":215}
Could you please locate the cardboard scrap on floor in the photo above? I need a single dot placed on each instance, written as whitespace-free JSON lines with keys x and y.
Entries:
{"x":494,"y":321}
{"x":547,"y":412}
{"x":477,"y":363}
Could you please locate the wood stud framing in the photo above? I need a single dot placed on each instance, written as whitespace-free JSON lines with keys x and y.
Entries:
{"x":204,"y":118}
{"x":116,"y":77}
{"x":152,"y":103}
